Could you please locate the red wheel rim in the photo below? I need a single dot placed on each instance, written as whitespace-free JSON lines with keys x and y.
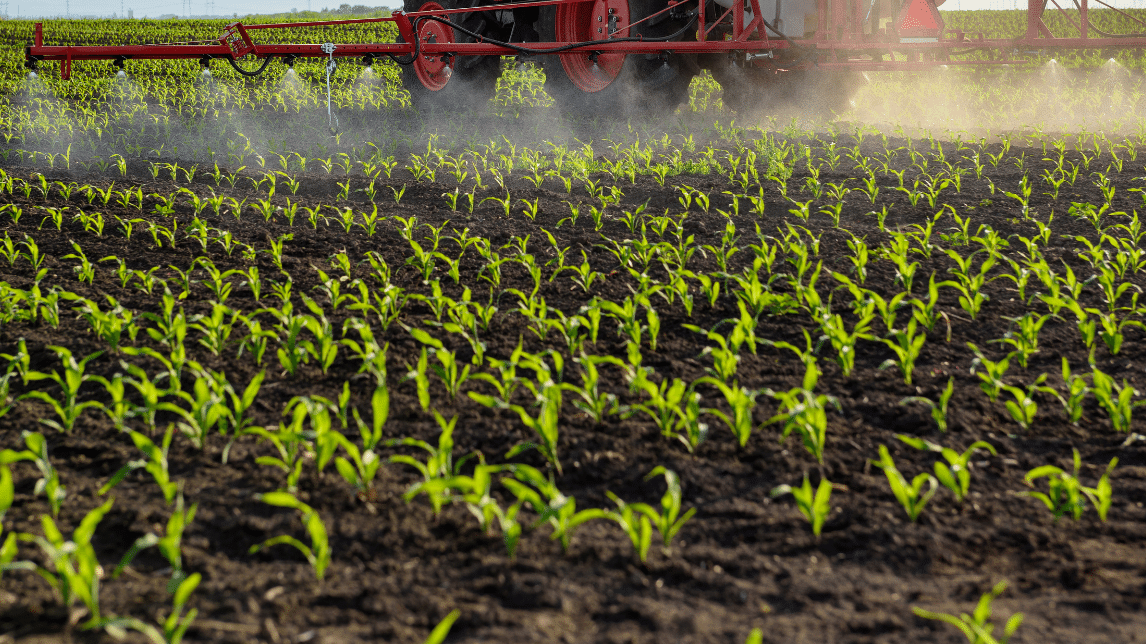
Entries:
{"x":593,"y":20}
{"x":433,"y":71}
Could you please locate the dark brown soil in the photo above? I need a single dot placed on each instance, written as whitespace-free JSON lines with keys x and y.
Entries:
{"x":746,"y":560}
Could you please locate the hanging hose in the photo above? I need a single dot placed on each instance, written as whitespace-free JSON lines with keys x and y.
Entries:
{"x":261,"y":69}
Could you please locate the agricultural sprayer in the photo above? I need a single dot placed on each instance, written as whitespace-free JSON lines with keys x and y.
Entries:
{"x":622,"y":57}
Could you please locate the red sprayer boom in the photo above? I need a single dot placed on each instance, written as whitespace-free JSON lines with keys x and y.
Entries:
{"x":590,"y":40}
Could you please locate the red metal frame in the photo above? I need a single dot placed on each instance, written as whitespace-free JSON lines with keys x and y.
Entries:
{"x":844,"y":38}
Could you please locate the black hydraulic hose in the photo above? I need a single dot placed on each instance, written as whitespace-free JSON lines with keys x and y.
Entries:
{"x":261,"y":69}
{"x":529,"y":50}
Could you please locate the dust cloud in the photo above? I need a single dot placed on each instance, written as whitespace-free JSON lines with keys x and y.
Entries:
{"x":994,"y":101}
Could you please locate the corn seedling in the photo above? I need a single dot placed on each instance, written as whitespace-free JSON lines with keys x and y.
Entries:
{"x":975,"y":627}
{"x":1117,"y":401}
{"x":439,"y":464}
{"x":813,"y":505}
{"x":805,"y":412}
{"x":906,"y":345}
{"x":73,"y":570}
{"x":155,"y":464}
{"x":1023,"y":408}
{"x":530,"y":486}
{"x":955,"y":475}
{"x":636,"y":524}
{"x":938,"y":409}
{"x":910,"y":495}
{"x":993,"y":371}
{"x":1065,"y":493}
{"x":318,"y":553}
{"x":68,"y":408}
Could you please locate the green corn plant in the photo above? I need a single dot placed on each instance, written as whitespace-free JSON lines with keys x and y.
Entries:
{"x":1111,"y":327}
{"x":293,"y":350}
{"x":155,"y":464}
{"x":318,"y":553}
{"x":147,"y":389}
{"x":550,"y":505}
{"x":206,"y":408}
{"x":690,"y":430}
{"x":813,"y":505}
{"x":447,"y":368}
{"x":324,"y":347}
{"x":976,"y":627}
{"x":237,"y":405}
{"x":635,"y":524}
{"x":68,"y":408}
{"x":32,"y":254}
{"x":547,"y":393}
{"x":662,"y":402}
{"x":938,"y":409}
{"x":216,"y":329}
{"x":170,"y":544}
{"x":1065,"y":493}
{"x":590,"y":400}
{"x":421,"y":379}
{"x":906,"y":345}
{"x":73,"y":570}
{"x":993,"y":371}
{"x":366,"y":350}
{"x":741,"y":401}
{"x":7,"y":487}
{"x":1023,"y":408}
{"x":86,"y":270}
{"x":20,"y":361}
{"x":49,"y":483}
{"x":583,"y":274}
{"x":290,"y":443}
{"x":805,"y":412}
{"x":1024,"y":337}
{"x":1076,"y":392}
{"x":955,"y":475}
{"x":1087,"y":326}
{"x":968,"y":283}
{"x":174,"y":626}
{"x":476,"y":493}
{"x":897,"y":253}
{"x":1117,"y":401}
{"x":927,"y":312}
{"x":439,"y":464}
{"x":910,"y":495}
{"x":669,"y":520}
{"x":317,"y":411}
{"x":364,"y":463}
{"x":109,"y":325}
{"x":844,"y":341}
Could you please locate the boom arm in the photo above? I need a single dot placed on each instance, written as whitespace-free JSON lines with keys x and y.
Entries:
{"x":845,"y":37}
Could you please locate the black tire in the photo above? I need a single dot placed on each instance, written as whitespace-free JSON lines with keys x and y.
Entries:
{"x":754,"y":92}
{"x":473,"y":81}
{"x":643,"y":89}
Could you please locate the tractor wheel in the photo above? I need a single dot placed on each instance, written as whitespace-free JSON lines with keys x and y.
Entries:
{"x":465,"y":82}
{"x":589,"y":85}
{"x":755,"y":92}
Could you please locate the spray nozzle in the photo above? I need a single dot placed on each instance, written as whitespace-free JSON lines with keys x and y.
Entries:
{"x":368,"y":60}
{"x":289,"y":60}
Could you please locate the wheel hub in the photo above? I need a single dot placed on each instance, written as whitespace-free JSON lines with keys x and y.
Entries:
{"x":434,"y":71}
{"x":602,"y":20}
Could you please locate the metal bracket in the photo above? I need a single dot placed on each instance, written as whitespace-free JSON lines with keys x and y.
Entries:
{"x":328,"y":49}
